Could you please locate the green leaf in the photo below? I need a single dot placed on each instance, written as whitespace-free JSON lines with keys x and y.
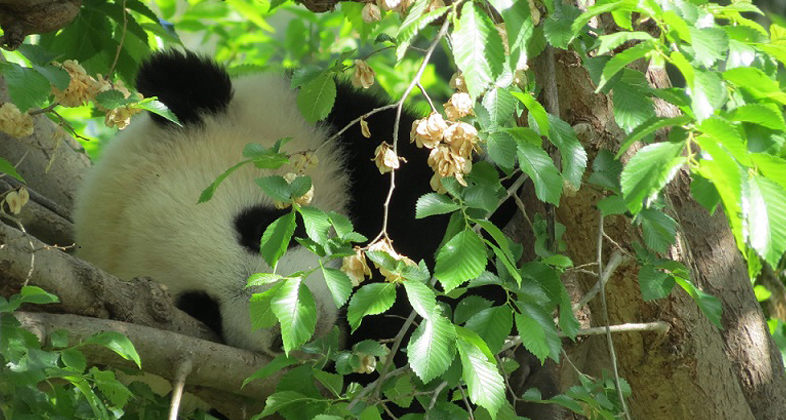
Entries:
{"x":726,"y":135}
{"x":316,"y":222}
{"x":296,"y":311}
{"x":766,"y":218}
{"x":111,"y":99}
{"x":536,"y":112}
{"x":648,"y":171}
{"x":659,"y":229}
{"x":208,"y":192}
{"x":632,"y":105}
{"x":279,"y":362}
{"x":468,"y":307}
{"x":276,"y":187}
{"x":557,"y":25}
{"x":708,"y":94}
{"x":57,"y":76}
{"x":727,"y":176}
{"x":276,"y":238}
{"x":613,"y":41}
{"x":432,"y":203}
{"x":339,"y":284}
{"x":771,"y":166}
{"x":401,"y":392}
{"x":315,"y":99}
{"x":502,"y":149}
{"x":261,"y":311}
{"x":650,"y":126}
{"x":705,"y":193}
{"x":759,"y":114}
{"x":606,"y":171}
{"x":118,"y":343}
{"x":654,"y":284}
{"x":432,"y":347}
{"x":414,"y":23}
{"x":540,"y":168}
{"x":493,"y":325}
{"x":74,"y":359}
{"x":500,"y":106}
{"x":156,"y":107}
{"x":484,"y":382}
{"x":478,"y":49}
{"x":462,"y":258}
{"x":533,"y":336}
{"x":611,"y":205}
{"x":7,"y":167}
{"x":574,"y":157}
{"x":709,"y":44}
{"x":26,"y":87}
{"x":709,"y":305}
{"x":421,"y":297}
{"x":619,"y":61}
{"x":519,"y":27}
{"x":370,"y":299}
{"x":282,"y":400}
{"x":36,"y":295}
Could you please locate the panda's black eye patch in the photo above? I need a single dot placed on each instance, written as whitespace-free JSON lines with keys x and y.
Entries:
{"x":251,"y":223}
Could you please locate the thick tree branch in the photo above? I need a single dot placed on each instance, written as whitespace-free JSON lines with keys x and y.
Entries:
{"x":85,"y":290}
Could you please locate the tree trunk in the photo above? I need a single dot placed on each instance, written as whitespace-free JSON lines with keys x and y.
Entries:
{"x":696,"y":371}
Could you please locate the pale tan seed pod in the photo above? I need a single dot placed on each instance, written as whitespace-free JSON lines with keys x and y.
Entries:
{"x":363,"y":76}
{"x":383,"y":245}
{"x":428,"y":132}
{"x":81,"y":88}
{"x":14,"y":202}
{"x":15,"y":122}
{"x":445,"y":162}
{"x":355,"y":267}
{"x":459,"y":105}
{"x":457,"y":82}
{"x":371,"y":13}
{"x":120,"y":117}
{"x":385,"y":158}
{"x":368,"y":364}
{"x":364,"y":128}
{"x":462,"y":138}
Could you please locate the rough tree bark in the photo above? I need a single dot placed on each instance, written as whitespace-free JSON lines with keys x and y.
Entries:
{"x":696,"y":371}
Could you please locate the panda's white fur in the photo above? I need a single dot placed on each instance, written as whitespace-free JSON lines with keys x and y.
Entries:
{"x":137,"y":213}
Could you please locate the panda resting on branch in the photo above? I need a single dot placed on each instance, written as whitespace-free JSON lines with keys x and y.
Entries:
{"x":137,"y":213}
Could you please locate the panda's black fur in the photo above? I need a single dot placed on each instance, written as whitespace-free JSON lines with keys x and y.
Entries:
{"x":203,"y":97}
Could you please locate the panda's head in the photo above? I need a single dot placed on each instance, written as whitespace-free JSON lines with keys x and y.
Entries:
{"x":137,"y":214}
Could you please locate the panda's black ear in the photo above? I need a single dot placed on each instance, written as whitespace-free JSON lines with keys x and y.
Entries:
{"x":188,"y":84}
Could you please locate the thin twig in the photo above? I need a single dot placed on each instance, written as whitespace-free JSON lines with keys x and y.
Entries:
{"x":120,"y":44}
{"x":428,"y":98}
{"x":372,"y":386}
{"x":433,"y":402}
{"x":400,"y":105}
{"x":614,"y":262}
{"x":181,"y":373}
{"x":659,"y":327}
{"x":468,"y":405}
{"x":49,"y":108}
{"x":605,"y":314}
{"x":393,"y":350}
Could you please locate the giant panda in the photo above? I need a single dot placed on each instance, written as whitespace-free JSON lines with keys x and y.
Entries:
{"x":137,"y":212}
